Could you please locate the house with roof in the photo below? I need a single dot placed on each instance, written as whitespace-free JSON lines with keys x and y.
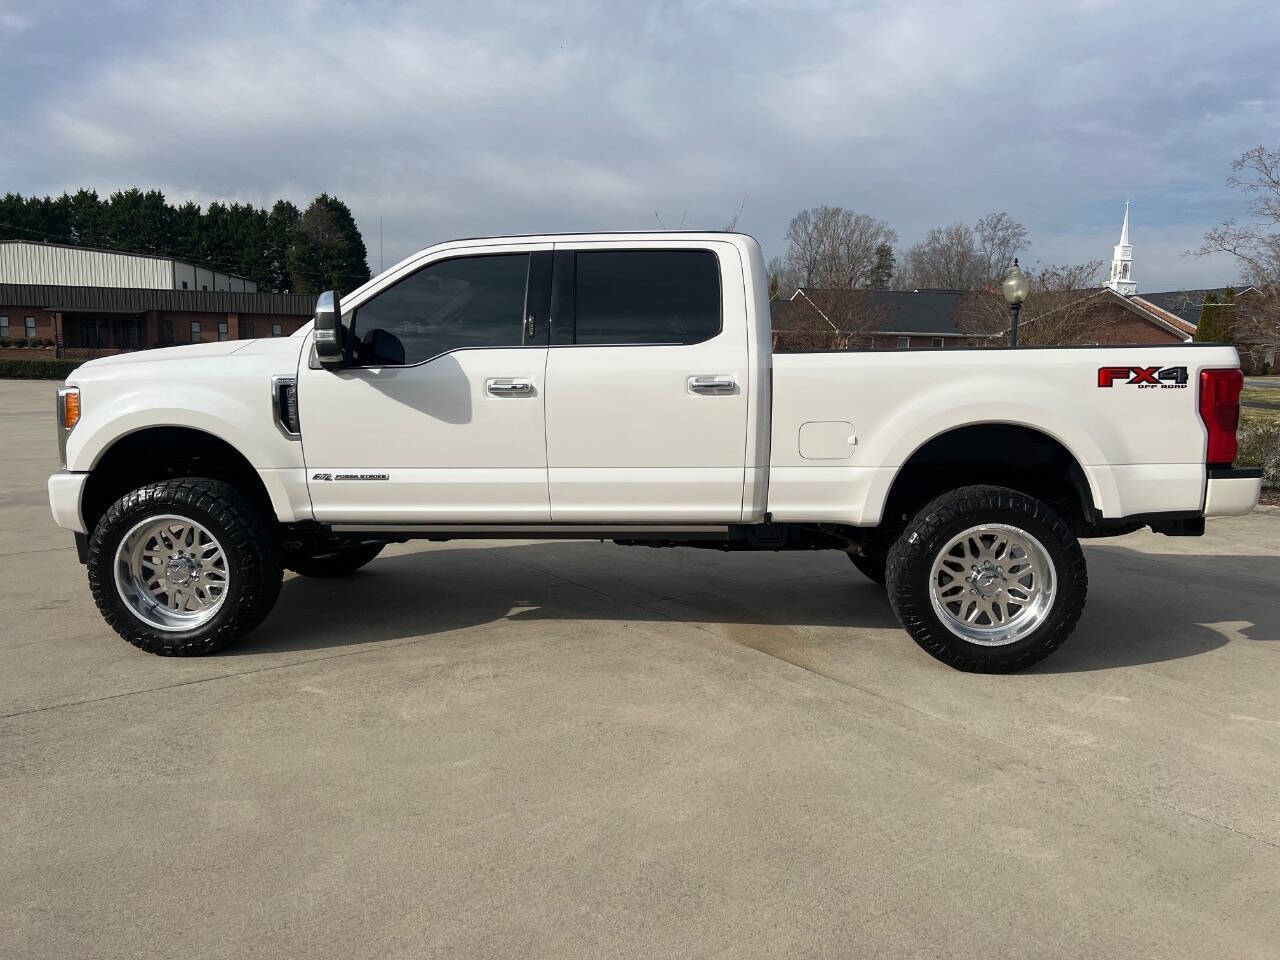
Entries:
{"x":1115,"y":313}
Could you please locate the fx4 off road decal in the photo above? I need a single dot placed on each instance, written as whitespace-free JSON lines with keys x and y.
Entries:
{"x":1145,"y":378}
{"x":350,"y":476}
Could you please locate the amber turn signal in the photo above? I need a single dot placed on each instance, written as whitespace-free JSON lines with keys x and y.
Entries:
{"x":70,"y":408}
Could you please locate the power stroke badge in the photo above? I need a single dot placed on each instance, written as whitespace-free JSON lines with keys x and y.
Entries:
{"x":351,"y":476}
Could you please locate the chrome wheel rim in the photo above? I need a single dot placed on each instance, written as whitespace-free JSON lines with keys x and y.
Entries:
{"x":171,"y":573}
{"x":993,"y":584}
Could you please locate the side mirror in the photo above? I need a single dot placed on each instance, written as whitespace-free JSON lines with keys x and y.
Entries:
{"x":328,"y":330}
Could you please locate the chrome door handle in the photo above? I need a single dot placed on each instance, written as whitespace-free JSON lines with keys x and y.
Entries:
{"x":713,"y":386}
{"x":507,"y":387}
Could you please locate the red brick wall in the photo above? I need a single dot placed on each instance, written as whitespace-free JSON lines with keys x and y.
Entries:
{"x":262,"y":324}
{"x":17,"y":322}
{"x":1114,"y":323}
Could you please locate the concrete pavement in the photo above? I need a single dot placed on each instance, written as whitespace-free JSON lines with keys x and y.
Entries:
{"x":577,"y":749}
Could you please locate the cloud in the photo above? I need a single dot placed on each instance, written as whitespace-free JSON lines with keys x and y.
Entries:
{"x":456,"y":120}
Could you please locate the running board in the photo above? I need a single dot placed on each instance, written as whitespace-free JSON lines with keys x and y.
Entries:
{"x":537,"y":531}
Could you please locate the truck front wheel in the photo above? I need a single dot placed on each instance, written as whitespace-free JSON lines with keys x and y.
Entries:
{"x":987,"y":579}
{"x":184,"y":566}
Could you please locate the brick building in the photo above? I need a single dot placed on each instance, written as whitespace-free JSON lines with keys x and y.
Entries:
{"x":942,"y":319}
{"x":954,"y":319}
{"x":80,"y":301}
{"x":81,"y":320}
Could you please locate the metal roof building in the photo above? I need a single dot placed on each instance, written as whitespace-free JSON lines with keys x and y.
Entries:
{"x":57,"y":264}
{"x":81,"y":301}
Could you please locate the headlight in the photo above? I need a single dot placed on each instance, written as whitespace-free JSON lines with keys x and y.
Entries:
{"x":68,"y":417}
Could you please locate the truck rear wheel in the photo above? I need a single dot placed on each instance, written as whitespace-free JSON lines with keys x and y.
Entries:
{"x":334,"y":563}
{"x":870,"y":564}
{"x":987,"y":579}
{"x":182,"y":567}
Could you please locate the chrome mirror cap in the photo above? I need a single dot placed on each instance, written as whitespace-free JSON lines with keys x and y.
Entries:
{"x":328,"y":329}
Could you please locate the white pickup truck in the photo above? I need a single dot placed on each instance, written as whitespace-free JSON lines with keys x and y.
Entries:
{"x":623,"y":387}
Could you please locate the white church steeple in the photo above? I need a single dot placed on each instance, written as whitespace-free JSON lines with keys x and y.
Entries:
{"x":1122,"y":281}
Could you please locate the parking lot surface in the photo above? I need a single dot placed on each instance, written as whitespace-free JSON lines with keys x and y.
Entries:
{"x":578,"y":749}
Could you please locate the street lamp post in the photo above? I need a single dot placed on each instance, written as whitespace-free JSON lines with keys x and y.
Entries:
{"x":1015,"y":287}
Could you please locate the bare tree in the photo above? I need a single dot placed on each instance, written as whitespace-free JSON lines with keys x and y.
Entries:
{"x":834,"y":247}
{"x":946,"y":259}
{"x":828,"y":319}
{"x":1256,"y":247}
{"x":1065,"y":305}
{"x":782,"y":282}
{"x":960,"y":258}
{"x":1000,"y":239}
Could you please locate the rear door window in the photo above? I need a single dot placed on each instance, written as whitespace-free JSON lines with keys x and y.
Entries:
{"x":646,"y":296}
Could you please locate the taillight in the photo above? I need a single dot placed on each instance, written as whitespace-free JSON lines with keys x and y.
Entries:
{"x":1220,"y":411}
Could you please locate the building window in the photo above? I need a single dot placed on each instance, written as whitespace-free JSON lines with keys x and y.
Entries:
{"x":195,"y":331}
{"x":204,"y":286}
{"x":4,"y":328}
{"x":184,"y":284}
{"x":277,"y":330}
{"x":904,"y":343}
{"x":29,"y":326}
{"x":938,"y":343}
{"x":246,"y":329}
{"x":222,"y":330}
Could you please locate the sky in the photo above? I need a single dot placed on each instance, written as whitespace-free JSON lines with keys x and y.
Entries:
{"x":443,"y":120}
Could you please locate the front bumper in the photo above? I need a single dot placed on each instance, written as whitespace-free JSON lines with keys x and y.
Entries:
{"x":1232,"y":491}
{"x":65,"y":491}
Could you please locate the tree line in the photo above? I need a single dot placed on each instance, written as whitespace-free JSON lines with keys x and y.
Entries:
{"x":284,"y":249}
{"x":836,"y":248}
{"x":838,"y":258}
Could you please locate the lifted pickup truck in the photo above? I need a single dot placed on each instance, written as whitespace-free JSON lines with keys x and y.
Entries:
{"x":622,"y":386}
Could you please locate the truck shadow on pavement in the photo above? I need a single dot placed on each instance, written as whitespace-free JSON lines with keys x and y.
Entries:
{"x":1143,"y":608}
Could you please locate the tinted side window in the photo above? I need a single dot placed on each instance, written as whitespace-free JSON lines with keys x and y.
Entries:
{"x":647,"y":296}
{"x":453,"y":304}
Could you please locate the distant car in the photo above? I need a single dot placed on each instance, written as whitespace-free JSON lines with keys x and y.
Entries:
{"x":622,"y":386}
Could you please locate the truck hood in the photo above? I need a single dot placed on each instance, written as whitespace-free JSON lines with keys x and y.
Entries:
{"x":194,"y":351}
{"x":121,"y":362}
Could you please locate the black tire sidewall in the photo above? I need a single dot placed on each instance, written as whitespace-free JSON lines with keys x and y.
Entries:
{"x":245,"y":542}
{"x":870,"y":565}
{"x":910,"y":571}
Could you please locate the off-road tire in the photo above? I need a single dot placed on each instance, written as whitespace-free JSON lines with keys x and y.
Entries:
{"x":910,"y":566}
{"x":336,"y":563}
{"x":871,"y":564}
{"x":246,"y":535}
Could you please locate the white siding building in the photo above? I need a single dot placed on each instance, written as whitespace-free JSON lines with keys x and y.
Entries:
{"x":66,"y":266}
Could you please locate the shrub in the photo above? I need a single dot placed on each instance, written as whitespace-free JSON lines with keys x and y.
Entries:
{"x":37,"y":369}
{"x":1260,"y":447}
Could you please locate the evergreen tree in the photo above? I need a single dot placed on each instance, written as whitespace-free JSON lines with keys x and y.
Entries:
{"x":277,"y":248}
{"x":1207,"y":327}
{"x":882,"y":269}
{"x":1216,"y":319}
{"x":328,"y":252}
{"x":282,"y":229}
{"x":85,"y":215}
{"x":188,"y":232}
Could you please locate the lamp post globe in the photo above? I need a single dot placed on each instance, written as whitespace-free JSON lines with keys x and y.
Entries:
{"x":1015,"y":288}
